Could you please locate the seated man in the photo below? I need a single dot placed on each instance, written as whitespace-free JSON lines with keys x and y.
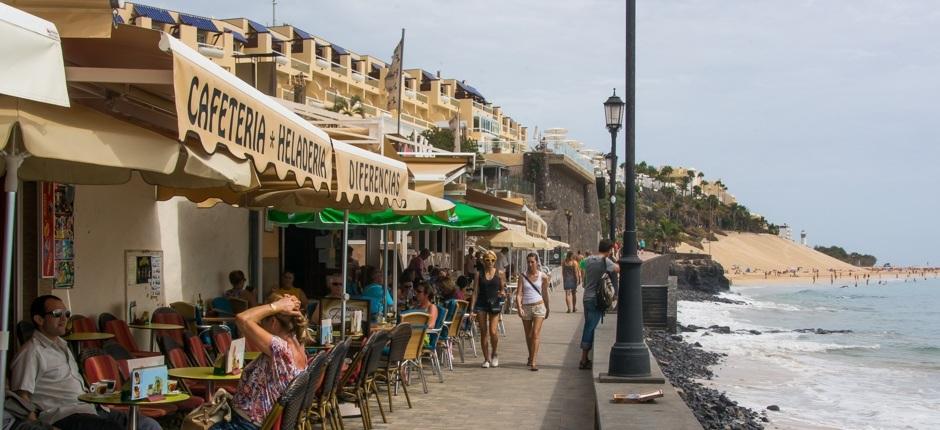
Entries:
{"x":45,"y":373}
{"x":373,"y":279}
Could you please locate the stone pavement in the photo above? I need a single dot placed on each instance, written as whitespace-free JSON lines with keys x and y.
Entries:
{"x":559,"y":396}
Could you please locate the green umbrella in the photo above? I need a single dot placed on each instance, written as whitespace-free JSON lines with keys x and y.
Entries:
{"x":332,"y":219}
{"x":464,"y":217}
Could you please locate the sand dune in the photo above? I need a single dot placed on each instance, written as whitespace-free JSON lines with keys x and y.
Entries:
{"x":767,"y":252}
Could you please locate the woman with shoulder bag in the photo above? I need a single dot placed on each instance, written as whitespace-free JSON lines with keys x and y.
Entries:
{"x":485,"y":305}
{"x":532,"y":303}
{"x":279,"y":331}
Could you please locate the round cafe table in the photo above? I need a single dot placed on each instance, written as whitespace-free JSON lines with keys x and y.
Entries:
{"x":153,"y":327}
{"x":114,"y":399}
{"x":202,"y":374}
{"x":78,"y":338}
{"x":252,"y":355}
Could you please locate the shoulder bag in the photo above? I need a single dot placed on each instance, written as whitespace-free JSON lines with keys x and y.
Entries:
{"x":210,"y":414}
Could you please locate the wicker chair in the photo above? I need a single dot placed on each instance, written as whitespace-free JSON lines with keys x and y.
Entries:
{"x":290,"y":411}
{"x":391,"y":367}
{"x":412,"y":358}
{"x":451,"y":334}
{"x":360,"y":382}
{"x":327,"y":406}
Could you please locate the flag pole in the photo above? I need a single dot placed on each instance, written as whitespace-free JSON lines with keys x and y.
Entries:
{"x":401,"y":77}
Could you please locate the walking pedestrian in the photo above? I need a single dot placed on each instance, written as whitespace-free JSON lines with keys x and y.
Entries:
{"x":571,"y":276}
{"x":595,"y":266}
{"x":486,"y":304}
{"x":532,"y":304}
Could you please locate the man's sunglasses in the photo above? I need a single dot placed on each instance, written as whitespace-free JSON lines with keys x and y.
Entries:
{"x":58,"y":313}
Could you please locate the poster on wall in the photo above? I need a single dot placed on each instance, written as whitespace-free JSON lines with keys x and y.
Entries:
{"x":63,"y":236}
{"x":47,"y":235}
{"x":143,"y":277}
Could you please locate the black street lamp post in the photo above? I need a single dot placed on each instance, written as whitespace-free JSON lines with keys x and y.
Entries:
{"x":568,"y":216}
{"x":611,"y":160}
{"x":629,"y":357}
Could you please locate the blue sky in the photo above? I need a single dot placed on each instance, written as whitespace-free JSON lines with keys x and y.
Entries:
{"x":819,"y":114}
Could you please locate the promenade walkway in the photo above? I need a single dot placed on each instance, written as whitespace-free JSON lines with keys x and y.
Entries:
{"x":559,"y":396}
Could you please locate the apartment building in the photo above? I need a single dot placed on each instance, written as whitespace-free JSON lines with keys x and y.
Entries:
{"x":289,"y":63}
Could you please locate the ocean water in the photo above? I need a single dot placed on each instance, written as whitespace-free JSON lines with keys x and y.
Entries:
{"x":885,"y":374}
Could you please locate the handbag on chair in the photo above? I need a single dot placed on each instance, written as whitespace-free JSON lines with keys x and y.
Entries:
{"x":209,"y":414}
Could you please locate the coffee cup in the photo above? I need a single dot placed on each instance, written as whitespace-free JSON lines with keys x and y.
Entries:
{"x":108,"y":383}
{"x":172,"y":385}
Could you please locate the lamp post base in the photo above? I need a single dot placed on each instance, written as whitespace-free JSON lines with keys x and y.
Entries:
{"x":629,"y":360}
{"x":610,"y":379}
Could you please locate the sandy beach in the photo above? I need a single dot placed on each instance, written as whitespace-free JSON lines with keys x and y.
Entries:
{"x":766,"y":259}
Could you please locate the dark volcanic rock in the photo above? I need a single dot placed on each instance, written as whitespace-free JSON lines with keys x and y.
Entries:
{"x":821,"y":331}
{"x":682,"y":364}
{"x":774,"y":408}
{"x":722,"y":329}
{"x":700,"y":274}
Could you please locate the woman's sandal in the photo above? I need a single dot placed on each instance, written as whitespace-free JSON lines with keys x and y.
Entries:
{"x":584,"y":365}
{"x":533,"y":368}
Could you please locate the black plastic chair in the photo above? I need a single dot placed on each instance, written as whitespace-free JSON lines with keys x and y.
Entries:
{"x":103,"y":320}
{"x":24,"y":331}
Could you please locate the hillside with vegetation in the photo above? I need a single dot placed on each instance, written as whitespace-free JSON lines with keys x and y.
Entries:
{"x":854,"y":258}
{"x":679,"y":213}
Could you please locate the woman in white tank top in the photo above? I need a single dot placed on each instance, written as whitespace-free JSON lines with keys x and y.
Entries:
{"x":532,"y":303}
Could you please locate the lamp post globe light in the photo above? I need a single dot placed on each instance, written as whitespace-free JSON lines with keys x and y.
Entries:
{"x":629,"y":357}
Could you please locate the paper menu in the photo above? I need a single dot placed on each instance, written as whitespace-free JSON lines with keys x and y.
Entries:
{"x":326,"y":331}
{"x":235,"y":360}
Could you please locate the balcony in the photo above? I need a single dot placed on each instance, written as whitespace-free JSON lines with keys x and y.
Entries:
{"x":300,"y":66}
{"x":504,"y":183}
{"x":357,"y":76}
{"x":483,"y":108}
{"x":367,"y":109}
{"x":339,"y":69}
{"x":372,"y":82}
{"x":323,"y":63}
{"x":563,"y":148}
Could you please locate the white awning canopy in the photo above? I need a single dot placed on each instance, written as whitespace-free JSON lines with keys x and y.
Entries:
{"x":32,"y":67}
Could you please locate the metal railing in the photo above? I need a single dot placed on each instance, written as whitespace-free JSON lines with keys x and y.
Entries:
{"x":422,"y":98}
{"x":505,"y":183}
{"x":562,"y":148}
{"x":322,"y":62}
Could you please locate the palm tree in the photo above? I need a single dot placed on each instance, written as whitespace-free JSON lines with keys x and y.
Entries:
{"x":352,"y":107}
